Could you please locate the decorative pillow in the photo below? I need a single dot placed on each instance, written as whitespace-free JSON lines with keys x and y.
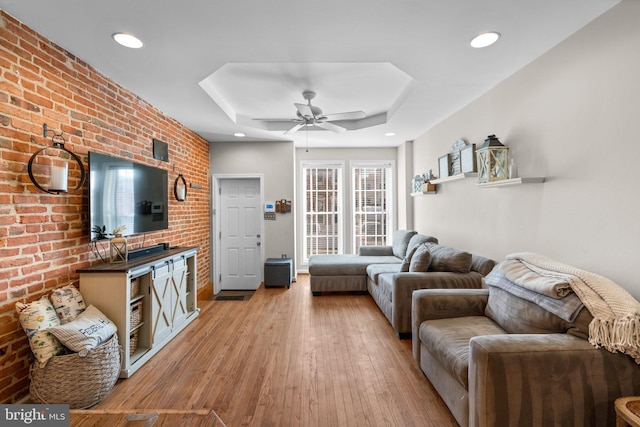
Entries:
{"x":68,"y":303}
{"x":90,"y":329}
{"x":446,"y":258}
{"x":401,"y":241}
{"x":406,"y":262}
{"x":417,"y":239}
{"x":36,"y":318}
{"x":421,"y":259}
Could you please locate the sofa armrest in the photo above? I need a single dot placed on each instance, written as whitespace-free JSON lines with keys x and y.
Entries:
{"x":546,"y":379}
{"x":429,"y":304}
{"x":375,"y":250}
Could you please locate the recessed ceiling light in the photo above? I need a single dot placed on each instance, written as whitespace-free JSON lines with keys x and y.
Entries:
{"x":485,"y":39}
{"x":390,"y":134}
{"x":127,"y":40}
{"x":239,"y":135}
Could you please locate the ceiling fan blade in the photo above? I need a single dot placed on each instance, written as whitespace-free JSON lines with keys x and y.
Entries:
{"x":277,"y":120}
{"x":351,"y":115}
{"x":304,"y":110}
{"x":294,"y":129}
{"x":330,"y":126}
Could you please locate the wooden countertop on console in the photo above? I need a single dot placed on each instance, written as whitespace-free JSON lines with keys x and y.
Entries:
{"x":126,"y":266}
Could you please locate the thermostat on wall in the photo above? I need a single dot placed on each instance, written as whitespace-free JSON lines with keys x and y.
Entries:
{"x":269,"y":207}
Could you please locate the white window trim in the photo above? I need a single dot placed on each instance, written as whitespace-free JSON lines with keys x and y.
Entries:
{"x":341,"y":211}
{"x":390,"y":194}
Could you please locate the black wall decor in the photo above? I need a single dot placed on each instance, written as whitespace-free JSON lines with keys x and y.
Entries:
{"x":160,"y":150}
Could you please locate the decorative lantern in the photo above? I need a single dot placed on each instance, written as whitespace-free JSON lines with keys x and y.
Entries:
{"x":51,"y":164}
{"x":118,"y":246}
{"x":180,"y":188}
{"x":493,"y":160}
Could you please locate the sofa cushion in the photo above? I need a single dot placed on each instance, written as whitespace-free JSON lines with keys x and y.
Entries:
{"x":481,"y":264}
{"x":401,"y":241}
{"x":448,"y":341}
{"x":446,"y":258}
{"x":345,"y":264}
{"x":421,"y":258}
{"x":385,"y":284}
{"x":519,"y":316}
{"x":374,"y":270}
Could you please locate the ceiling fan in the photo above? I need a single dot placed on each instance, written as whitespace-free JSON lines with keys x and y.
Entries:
{"x":310,"y":115}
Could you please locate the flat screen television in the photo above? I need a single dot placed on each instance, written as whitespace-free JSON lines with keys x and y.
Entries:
{"x":122,"y":192}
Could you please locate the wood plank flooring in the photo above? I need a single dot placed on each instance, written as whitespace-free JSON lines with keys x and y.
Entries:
{"x":286,"y":358}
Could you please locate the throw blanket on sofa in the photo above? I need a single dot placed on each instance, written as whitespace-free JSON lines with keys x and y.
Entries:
{"x":505,"y":277}
{"x":616,"y":314}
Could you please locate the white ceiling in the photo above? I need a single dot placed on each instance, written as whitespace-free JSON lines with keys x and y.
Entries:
{"x":406,"y":63}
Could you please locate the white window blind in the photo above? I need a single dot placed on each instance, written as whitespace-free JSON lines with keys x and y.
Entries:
{"x":372,"y":203}
{"x":322,"y":218}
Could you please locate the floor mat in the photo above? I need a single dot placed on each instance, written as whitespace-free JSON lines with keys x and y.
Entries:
{"x":233,"y":295}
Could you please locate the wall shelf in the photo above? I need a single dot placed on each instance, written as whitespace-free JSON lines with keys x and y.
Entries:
{"x":422,"y":193}
{"x":513,"y":181}
{"x":454,"y":177}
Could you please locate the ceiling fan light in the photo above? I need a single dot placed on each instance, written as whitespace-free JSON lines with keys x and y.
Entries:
{"x":485,"y":39}
{"x":127,"y":40}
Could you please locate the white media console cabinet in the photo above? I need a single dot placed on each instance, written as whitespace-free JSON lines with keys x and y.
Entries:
{"x":150,"y":299}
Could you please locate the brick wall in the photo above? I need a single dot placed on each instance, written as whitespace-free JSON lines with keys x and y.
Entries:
{"x":44,"y":238}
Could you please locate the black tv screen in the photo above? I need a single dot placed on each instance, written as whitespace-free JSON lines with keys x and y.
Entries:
{"x":122,"y":192}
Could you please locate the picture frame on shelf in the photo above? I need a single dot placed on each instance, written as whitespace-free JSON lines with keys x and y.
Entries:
{"x":468,"y":159}
{"x":456,"y":164}
{"x":444,"y":166}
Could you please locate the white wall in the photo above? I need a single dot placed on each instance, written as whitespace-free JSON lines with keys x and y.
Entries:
{"x":346,"y":155}
{"x":405,"y":175}
{"x":275,"y":160}
{"x":572,"y":115}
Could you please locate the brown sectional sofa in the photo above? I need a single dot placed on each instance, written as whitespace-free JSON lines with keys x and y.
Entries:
{"x":377,"y":269}
{"x":497,"y":359}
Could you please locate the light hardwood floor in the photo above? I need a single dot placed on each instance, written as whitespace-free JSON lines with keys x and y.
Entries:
{"x":286,"y":358}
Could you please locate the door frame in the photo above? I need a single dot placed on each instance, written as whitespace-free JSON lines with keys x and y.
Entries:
{"x":215,"y":221}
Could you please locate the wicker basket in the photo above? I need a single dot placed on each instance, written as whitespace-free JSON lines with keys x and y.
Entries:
{"x":135,"y":288}
{"x":80,"y":382}
{"x":133,"y":341}
{"x":135,"y":316}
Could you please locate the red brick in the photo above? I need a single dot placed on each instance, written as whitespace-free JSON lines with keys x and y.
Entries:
{"x":44,"y":237}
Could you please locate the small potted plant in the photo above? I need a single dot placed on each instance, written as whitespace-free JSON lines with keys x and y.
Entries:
{"x":100,"y":232}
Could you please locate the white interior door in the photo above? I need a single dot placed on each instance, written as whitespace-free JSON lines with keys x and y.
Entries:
{"x":240,"y":240}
